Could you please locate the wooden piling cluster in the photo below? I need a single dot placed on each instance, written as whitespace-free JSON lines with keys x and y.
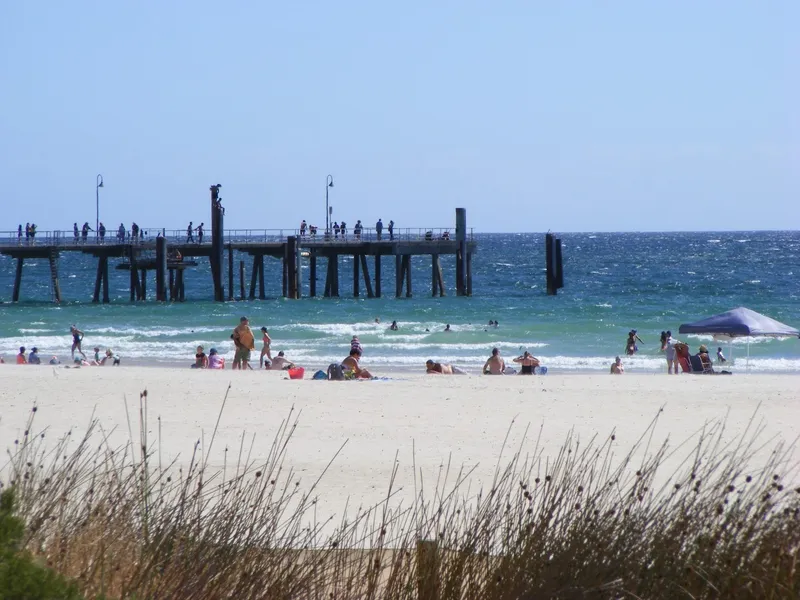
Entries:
{"x":159,"y":255}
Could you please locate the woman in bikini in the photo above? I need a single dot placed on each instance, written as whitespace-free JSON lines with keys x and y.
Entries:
{"x":77,"y":338}
{"x":265,"y":350}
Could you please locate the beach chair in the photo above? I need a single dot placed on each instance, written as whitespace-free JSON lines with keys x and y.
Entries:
{"x":697,"y":365}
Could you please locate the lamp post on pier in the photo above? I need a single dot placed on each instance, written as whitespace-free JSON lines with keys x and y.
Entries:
{"x":99,"y":182}
{"x":328,"y":185}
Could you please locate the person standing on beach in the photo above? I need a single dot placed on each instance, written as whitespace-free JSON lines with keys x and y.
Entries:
{"x":495,"y":365}
{"x":245,"y":342}
{"x":190,"y":233}
{"x":265,"y":348}
{"x":77,"y":338}
{"x":672,"y":359}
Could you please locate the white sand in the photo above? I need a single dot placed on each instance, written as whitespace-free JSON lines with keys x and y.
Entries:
{"x":466,"y":417}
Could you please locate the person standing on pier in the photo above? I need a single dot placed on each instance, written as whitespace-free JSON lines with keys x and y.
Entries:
{"x":75,"y":232}
{"x":134,"y":232}
{"x":27,"y":232}
{"x":101,"y":231}
{"x":199,"y":231}
{"x":357,"y":229}
{"x":335,"y":230}
{"x":190,"y":233}
{"x":303,"y":226}
{"x":344,"y":230}
{"x":77,"y":338}
{"x":391,"y":231}
{"x":121,"y":232}
{"x":379,"y":229}
{"x":85,"y":231}
{"x":19,"y":234}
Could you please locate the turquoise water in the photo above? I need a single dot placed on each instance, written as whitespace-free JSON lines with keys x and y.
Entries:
{"x":613,"y":282}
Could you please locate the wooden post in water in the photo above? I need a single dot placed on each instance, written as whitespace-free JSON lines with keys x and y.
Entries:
{"x":98,"y":280}
{"x":53,"y":259}
{"x":434,"y":275}
{"x":161,"y":269}
{"x":365,"y":273}
{"x":143,"y":288}
{"x":106,"y":298}
{"x":559,"y":266}
{"x":461,"y":255}
{"x":335,"y":288}
{"x":172,"y":288}
{"x":261,"y":292}
{"x":285,"y":281}
{"x":181,"y":289}
{"x":469,"y":274}
{"x":17,"y":280}
{"x":217,"y":241}
{"x":399,"y":264}
{"x":230,"y":271}
{"x":555,"y":275}
{"x":377,"y":275}
{"x":253,"y":279}
{"x":328,"y":278}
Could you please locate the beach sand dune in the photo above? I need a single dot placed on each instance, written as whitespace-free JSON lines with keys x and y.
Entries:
{"x":418,"y":420}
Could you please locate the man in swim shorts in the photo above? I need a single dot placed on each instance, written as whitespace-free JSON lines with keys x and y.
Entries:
{"x":495,"y":365}
{"x":245,"y":342}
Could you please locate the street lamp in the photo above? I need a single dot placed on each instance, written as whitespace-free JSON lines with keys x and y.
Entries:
{"x":99,"y":182}
{"x":328,"y":185}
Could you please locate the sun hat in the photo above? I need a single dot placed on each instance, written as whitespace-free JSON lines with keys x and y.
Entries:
{"x":703,"y":348}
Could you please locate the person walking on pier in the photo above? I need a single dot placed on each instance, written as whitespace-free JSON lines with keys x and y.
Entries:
{"x":335,"y":230}
{"x":343,"y":227}
{"x":75,"y":233}
{"x":190,"y":233}
{"x":77,"y":338}
{"x":379,"y":229}
{"x":391,"y":231}
{"x":85,"y":231}
{"x":101,"y":231}
{"x":199,"y":231}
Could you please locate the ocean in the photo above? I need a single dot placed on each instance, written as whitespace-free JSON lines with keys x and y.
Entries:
{"x":614,"y":282}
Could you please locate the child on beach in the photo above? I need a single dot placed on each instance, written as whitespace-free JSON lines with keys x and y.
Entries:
{"x":720,"y":356}
{"x":265,"y":349}
{"x":21,"y":360}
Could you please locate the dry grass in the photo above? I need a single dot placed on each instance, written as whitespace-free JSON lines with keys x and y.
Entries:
{"x":584,"y":524}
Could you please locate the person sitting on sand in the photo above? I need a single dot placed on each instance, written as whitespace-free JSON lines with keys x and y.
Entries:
{"x":495,"y":365}
{"x":352,"y":369}
{"x":115,"y":359}
{"x":54,"y":361}
{"x":96,"y":359}
{"x":265,"y":348}
{"x":33,"y":357}
{"x":393,"y":326}
{"x":435,"y":368}
{"x":281,"y":363}
{"x":215,"y":361}
{"x":720,"y":356}
{"x":616,"y":367}
{"x":21,"y":360}
{"x":528,"y":363}
{"x":200,"y":359}
{"x":705,"y":359}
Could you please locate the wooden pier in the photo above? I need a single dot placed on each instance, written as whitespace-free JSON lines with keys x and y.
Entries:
{"x":169,"y":255}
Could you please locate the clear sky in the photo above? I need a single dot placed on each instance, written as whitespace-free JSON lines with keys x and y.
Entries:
{"x":533,"y":115}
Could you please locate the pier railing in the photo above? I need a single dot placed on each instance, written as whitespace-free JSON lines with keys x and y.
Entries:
{"x":148,"y":235}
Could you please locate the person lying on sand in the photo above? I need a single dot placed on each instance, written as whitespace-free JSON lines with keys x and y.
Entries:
{"x":495,"y":365}
{"x":616,"y":367}
{"x":435,"y":368}
{"x":351,"y":367}
{"x":281,"y":363}
{"x":528,"y":363}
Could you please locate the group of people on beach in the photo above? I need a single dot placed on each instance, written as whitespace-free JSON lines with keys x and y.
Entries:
{"x":676,"y":353}
{"x":244,"y":343}
{"x":76,"y":335}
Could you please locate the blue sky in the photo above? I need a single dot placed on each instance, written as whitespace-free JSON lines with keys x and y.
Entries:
{"x":571,"y":116}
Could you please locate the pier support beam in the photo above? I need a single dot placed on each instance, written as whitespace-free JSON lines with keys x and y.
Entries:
{"x":53,"y":259}
{"x":365,"y":272}
{"x":461,"y":253}
{"x":17,"y":280}
{"x":143,"y":287}
{"x":173,"y":290}
{"x":407,"y":259}
{"x":230,"y":271}
{"x":101,"y":280}
{"x":261,"y":291}
{"x":241,"y":280}
{"x":399,"y":263}
{"x":291,"y":267}
{"x":332,"y":277}
{"x":377,"y":275}
{"x":356,"y":274}
{"x":161,"y":269}
{"x":217,"y":241}
{"x":312,"y":274}
{"x":181,"y":289}
{"x":469,"y":275}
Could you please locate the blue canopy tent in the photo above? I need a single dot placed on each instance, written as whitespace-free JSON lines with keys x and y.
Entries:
{"x":740,"y":322}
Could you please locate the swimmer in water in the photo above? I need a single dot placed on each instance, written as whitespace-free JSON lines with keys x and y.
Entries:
{"x":630,"y":346}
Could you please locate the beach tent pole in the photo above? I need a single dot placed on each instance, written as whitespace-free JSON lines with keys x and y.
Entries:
{"x":747,"y":364}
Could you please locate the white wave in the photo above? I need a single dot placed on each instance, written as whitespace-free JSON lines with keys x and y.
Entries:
{"x":604,"y":305}
{"x":737,"y":341}
{"x":34,"y":330}
{"x":713,"y":241}
{"x":158,"y":331}
{"x":742,"y":241}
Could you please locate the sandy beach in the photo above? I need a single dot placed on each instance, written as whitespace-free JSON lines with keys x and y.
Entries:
{"x":422,"y":420}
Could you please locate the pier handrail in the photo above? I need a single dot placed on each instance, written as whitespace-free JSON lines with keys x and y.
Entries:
{"x":148,"y":235}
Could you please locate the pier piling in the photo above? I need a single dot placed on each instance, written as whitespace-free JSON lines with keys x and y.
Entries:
{"x":53,"y":260}
{"x":365,"y":272}
{"x":291,"y":267}
{"x":555,"y":275}
{"x":241,"y":280}
{"x":17,"y":280}
{"x":217,"y":241}
{"x":312,"y":273}
{"x":230,"y":271}
{"x":377,"y":275}
{"x":161,"y":269}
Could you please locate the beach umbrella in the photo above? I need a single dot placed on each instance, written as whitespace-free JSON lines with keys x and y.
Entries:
{"x":740,"y":322}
